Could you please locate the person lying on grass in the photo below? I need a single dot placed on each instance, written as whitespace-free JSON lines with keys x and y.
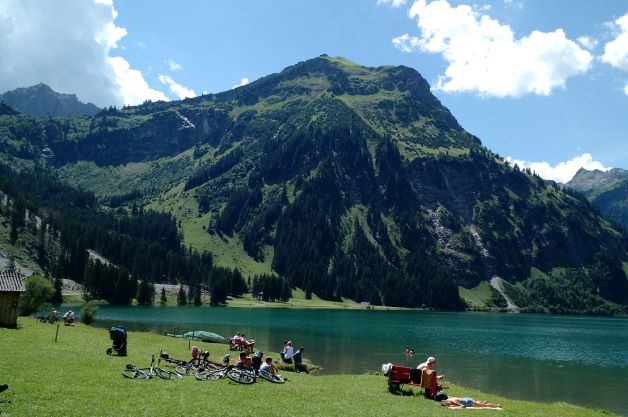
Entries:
{"x":466,"y":402}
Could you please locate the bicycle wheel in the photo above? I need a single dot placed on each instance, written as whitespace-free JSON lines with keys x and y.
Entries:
{"x":166,"y":374}
{"x":184,"y":370}
{"x":276,"y":379}
{"x":241,"y":376}
{"x":203,"y":375}
{"x":134,"y":373}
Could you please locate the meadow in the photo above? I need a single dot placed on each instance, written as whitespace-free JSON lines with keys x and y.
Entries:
{"x":74,"y":377}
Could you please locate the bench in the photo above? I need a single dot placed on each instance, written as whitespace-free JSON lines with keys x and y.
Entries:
{"x":403,"y":375}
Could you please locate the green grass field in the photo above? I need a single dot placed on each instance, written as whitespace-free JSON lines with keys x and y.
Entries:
{"x":74,"y":377}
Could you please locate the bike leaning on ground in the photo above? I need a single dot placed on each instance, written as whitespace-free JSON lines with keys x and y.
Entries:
{"x":133,"y":372}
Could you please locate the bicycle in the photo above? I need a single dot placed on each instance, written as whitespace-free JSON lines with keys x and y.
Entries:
{"x":276,"y":379}
{"x":213,"y":374}
{"x":241,"y":376}
{"x":133,"y":372}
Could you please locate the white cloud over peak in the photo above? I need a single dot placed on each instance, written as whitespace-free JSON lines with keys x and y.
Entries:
{"x":484,"y":57}
{"x":393,"y":3}
{"x":180,"y":91}
{"x":243,"y":81}
{"x":616,"y":51}
{"x":68,"y":45}
{"x":562,"y":172}
{"x":131,"y":87}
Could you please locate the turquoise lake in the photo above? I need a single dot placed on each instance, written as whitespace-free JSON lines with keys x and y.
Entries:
{"x":580,"y":360}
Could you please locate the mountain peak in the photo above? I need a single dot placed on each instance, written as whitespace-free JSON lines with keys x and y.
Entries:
{"x":41,"y":100}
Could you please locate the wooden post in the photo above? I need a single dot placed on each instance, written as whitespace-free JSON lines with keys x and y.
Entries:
{"x":57,"y":334}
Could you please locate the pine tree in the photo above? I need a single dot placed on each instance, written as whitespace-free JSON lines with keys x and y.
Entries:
{"x":197,"y":296}
{"x":57,"y":297}
{"x":163,"y":299}
{"x":181,"y":297}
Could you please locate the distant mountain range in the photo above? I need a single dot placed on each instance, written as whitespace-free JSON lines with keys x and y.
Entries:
{"x":41,"y":100}
{"x":346,"y":181}
{"x":607,"y":190}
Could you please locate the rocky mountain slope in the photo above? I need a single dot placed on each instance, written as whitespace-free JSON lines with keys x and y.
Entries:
{"x":606,"y":190}
{"x":41,"y":100}
{"x":348,"y":181}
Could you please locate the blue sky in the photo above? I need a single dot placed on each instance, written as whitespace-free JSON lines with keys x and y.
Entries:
{"x":542,"y":82}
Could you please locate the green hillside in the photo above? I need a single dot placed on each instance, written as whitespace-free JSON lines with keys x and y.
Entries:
{"x":346,"y":181}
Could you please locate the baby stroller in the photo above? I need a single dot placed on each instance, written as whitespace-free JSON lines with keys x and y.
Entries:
{"x":118,"y":335}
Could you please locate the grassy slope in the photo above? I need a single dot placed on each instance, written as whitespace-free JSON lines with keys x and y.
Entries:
{"x":74,"y":377}
{"x":477,"y":297}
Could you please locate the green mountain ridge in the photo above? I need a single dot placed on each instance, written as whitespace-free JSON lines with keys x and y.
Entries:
{"x":348,"y":181}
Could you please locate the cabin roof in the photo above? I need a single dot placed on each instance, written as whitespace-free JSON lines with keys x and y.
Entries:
{"x":12,"y":281}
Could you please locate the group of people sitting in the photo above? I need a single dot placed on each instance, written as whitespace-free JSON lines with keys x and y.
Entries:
{"x":289,"y":355}
{"x":434,"y":390}
{"x":68,"y":317}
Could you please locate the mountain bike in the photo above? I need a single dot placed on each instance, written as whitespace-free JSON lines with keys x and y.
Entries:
{"x":241,"y":376}
{"x":213,"y":374}
{"x":133,"y":372}
{"x":276,"y":379}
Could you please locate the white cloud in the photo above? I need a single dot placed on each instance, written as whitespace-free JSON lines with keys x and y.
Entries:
{"x":484,"y":56}
{"x":393,"y":3}
{"x":181,"y":91}
{"x":68,"y":45}
{"x":173,"y":65}
{"x":243,"y":81}
{"x":616,"y":51}
{"x":516,"y":4}
{"x":131,"y":86}
{"x":587,"y":42}
{"x":562,"y":172}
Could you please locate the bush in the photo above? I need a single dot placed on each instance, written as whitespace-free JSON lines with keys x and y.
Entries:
{"x":38,"y":291}
{"x":88,"y":313}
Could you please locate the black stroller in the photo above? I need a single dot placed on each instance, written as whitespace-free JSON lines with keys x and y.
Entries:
{"x":118,"y":335}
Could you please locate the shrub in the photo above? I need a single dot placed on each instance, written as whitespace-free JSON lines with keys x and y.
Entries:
{"x":88,"y":313}
{"x":38,"y":291}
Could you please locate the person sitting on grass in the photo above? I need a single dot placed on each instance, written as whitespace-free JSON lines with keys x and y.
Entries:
{"x":298,"y":361}
{"x":288,"y":351}
{"x":68,"y":318}
{"x":466,"y":402}
{"x":244,"y":362}
{"x":198,"y":356}
{"x":269,"y":366}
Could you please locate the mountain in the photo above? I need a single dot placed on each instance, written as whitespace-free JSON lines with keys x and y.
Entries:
{"x":606,"y":190}
{"x":346,"y":181}
{"x":41,"y":100}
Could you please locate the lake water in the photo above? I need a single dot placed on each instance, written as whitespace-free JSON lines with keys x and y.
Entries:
{"x":580,"y":360}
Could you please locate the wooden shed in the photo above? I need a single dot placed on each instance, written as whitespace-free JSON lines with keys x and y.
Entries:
{"x":11,"y":286}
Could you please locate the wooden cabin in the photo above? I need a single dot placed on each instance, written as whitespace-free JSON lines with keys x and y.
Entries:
{"x":11,"y":286}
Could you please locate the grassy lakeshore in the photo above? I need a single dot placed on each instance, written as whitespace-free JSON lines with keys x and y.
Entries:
{"x":74,"y":377}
